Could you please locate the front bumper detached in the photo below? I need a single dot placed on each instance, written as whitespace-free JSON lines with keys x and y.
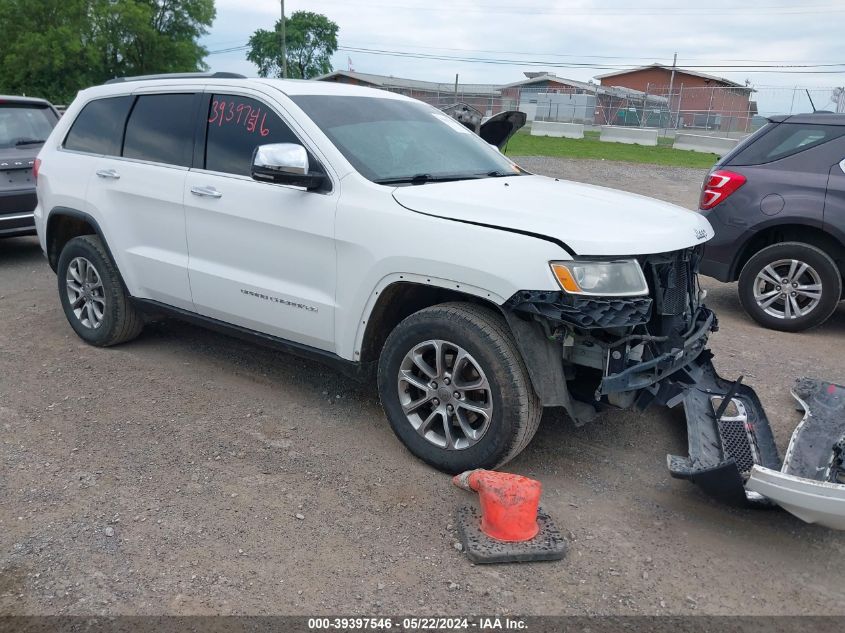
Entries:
{"x":811,"y":482}
{"x":733,"y":457}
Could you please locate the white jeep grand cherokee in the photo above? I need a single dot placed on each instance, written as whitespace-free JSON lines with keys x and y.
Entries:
{"x":374,"y":232}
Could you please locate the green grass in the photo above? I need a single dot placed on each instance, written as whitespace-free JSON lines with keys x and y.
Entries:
{"x":523,"y":144}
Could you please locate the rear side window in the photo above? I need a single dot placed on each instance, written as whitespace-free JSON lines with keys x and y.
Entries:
{"x":161,"y":129}
{"x":236,"y":126}
{"x":99,"y":127}
{"x":25,"y":124}
{"x":786,"y":139}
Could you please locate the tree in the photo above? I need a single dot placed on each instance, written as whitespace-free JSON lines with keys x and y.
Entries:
{"x":45,"y":49}
{"x":139,"y":37}
{"x":53,"y":48}
{"x":311,"y":40}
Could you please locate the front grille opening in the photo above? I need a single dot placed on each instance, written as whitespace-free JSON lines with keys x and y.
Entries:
{"x":676,"y":290}
{"x":736,"y":434}
{"x":672,"y":284}
{"x":736,"y":444}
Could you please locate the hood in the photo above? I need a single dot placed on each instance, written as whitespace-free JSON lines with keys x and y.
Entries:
{"x":589,"y":220}
{"x":498,"y":129}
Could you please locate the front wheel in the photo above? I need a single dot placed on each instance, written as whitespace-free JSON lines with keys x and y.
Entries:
{"x":790,"y":286}
{"x":455,"y":388}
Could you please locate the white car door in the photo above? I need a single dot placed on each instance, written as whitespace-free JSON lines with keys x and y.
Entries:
{"x":262,"y":255}
{"x":139,"y":196}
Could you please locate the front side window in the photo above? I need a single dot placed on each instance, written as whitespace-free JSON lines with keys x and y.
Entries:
{"x":161,"y":129}
{"x":392,"y":140}
{"x":99,"y":127}
{"x":236,"y":126}
{"x":25,"y":124}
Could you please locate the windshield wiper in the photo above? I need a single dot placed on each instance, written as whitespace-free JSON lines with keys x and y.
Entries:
{"x":29,"y":141}
{"x":497,"y":173}
{"x":421,"y":179}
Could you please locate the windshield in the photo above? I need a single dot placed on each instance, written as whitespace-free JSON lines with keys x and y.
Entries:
{"x":392,"y":140}
{"x":25,"y":124}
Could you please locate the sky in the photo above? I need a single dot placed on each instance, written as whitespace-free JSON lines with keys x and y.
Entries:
{"x":594,"y":36}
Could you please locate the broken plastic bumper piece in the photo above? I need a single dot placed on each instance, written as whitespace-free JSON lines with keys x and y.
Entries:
{"x":724,"y":449}
{"x":733,"y":457}
{"x":811,"y":482}
{"x":810,"y":500}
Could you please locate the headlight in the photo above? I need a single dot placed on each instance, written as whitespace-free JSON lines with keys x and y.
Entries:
{"x":622,"y":278}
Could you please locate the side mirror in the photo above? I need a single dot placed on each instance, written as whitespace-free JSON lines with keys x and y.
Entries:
{"x":285,"y":164}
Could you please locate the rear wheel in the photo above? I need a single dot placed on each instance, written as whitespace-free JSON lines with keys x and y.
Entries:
{"x":92,"y":294}
{"x":455,"y":388}
{"x":790,"y":286}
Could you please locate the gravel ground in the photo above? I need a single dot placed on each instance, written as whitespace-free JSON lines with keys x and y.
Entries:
{"x":191,"y":473}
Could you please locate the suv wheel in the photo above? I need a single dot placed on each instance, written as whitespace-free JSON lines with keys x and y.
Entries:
{"x":790,"y":286}
{"x":93,"y":296}
{"x":455,"y":388}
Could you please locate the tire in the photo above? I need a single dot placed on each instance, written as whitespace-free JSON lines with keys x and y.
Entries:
{"x":490,"y":356}
{"x":114,"y":319}
{"x":762,"y":294}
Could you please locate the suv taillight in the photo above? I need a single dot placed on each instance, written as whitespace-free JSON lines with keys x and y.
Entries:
{"x":718,"y":186}
{"x":35,"y":167}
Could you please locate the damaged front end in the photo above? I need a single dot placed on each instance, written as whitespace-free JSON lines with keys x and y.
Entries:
{"x":592,"y":352}
{"x":621,"y":351}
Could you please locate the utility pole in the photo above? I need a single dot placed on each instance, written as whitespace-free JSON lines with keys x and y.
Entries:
{"x":671,"y":86}
{"x":456,"y":87}
{"x":284,"y":44}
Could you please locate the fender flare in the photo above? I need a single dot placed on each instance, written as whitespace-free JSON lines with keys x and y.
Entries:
{"x":74,"y":213}
{"x":424,"y":280}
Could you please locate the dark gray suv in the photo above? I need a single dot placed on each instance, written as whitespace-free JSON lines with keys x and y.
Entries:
{"x":777,"y":205}
{"x":25,"y":124}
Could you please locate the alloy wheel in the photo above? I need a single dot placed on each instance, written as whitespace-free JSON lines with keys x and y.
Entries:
{"x":85,"y":292}
{"x":788,"y":289}
{"x":445,"y":394}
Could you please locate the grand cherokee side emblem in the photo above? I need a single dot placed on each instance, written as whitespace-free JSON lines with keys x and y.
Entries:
{"x":292,"y":304}
{"x":700,"y":234}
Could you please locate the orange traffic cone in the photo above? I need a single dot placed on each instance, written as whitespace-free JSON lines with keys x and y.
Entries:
{"x":512,"y":526}
{"x":508,"y":503}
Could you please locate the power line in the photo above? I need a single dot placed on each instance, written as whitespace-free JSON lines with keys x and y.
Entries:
{"x":711,"y":6}
{"x":757,"y":66}
{"x":790,"y":69}
{"x":757,"y":11}
{"x":228,"y":50}
{"x":584,"y":56}
{"x":786,"y":68}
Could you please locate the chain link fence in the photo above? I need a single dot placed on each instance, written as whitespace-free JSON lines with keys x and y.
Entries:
{"x":717,"y":111}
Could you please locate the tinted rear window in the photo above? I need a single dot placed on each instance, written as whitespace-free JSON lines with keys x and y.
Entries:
{"x":22,"y":125}
{"x":785,"y":139}
{"x":99,"y":127}
{"x":161,"y":129}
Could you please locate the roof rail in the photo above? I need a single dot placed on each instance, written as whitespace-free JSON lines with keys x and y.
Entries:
{"x":215,"y":75}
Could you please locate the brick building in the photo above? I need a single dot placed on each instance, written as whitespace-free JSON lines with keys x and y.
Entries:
{"x":697,"y":100}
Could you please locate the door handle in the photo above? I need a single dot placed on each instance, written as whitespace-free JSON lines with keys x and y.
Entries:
{"x":206,"y":192}
{"x":108,"y":173}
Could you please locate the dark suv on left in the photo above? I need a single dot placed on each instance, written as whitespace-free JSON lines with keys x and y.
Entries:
{"x":25,"y":124}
